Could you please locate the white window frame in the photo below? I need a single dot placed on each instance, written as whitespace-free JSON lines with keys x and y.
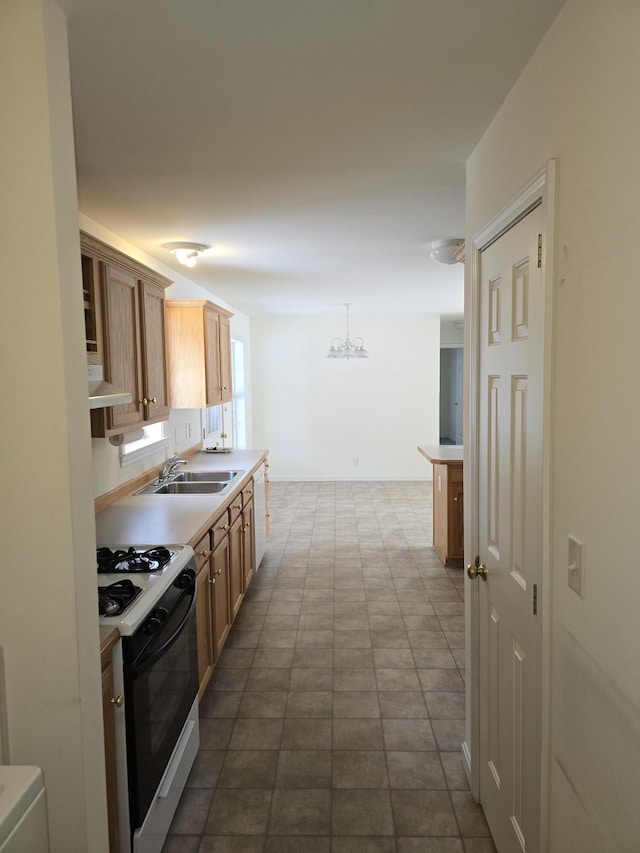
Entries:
{"x":153,"y":439}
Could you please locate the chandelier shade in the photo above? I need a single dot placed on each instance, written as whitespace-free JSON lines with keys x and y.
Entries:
{"x":347,"y":347}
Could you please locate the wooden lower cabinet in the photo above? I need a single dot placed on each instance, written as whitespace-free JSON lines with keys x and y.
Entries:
{"x":236,"y":572}
{"x":204,"y":612}
{"x":225,"y":564}
{"x":448,"y":516}
{"x":221,"y":595}
{"x":248,"y":546}
{"x":111,"y":705}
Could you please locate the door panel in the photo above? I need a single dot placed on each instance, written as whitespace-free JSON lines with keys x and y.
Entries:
{"x":509,"y":525}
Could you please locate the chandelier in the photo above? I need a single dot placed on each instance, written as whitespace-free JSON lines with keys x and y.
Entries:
{"x":346,"y":347}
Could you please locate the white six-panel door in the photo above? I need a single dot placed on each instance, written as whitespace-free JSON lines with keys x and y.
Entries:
{"x":511,"y":338}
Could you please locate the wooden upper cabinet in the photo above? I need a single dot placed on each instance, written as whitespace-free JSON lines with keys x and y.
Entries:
{"x":224,"y":331}
{"x":122,"y":344}
{"x":130,"y":327}
{"x":213,"y":391}
{"x":199,"y":354}
{"x":154,"y":336}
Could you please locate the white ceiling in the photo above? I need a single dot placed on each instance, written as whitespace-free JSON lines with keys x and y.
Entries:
{"x":318,"y":146}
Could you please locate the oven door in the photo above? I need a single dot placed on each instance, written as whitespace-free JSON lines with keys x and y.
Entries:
{"x":161,"y":683}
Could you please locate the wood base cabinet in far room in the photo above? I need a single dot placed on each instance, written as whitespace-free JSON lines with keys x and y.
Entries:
{"x":448,"y":495}
{"x":199,"y":353}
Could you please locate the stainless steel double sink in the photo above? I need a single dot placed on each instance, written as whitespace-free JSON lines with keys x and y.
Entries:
{"x":192,"y":483}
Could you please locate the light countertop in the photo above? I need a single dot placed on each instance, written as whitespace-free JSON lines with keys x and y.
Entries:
{"x":443,"y":454}
{"x":175,"y":519}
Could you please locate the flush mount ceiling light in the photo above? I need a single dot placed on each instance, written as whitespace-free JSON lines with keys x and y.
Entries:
{"x":186,"y":253}
{"x":345,"y":347}
{"x":444,"y":251}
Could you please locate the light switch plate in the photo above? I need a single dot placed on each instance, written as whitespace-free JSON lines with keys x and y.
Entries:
{"x":576,"y":565}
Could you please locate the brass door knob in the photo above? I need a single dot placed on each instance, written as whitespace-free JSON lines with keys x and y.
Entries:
{"x":212,"y":581}
{"x":118,"y":701}
{"x":477,"y":568}
{"x":204,"y":553}
{"x":153,"y":400}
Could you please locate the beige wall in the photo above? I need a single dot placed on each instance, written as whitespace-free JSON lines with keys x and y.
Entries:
{"x":48,"y":627}
{"x":316,"y":414}
{"x":578,"y":101}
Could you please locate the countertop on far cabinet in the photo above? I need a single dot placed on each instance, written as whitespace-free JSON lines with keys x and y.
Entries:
{"x":441,"y":454}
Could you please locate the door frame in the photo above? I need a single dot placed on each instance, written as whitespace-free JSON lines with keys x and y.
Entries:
{"x":539,"y":190}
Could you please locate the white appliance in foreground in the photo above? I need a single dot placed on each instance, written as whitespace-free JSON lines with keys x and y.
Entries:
{"x":23,"y":811}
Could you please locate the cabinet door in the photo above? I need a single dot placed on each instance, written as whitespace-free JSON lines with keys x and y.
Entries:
{"x":156,"y":390}
{"x":456,"y":521}
{"x":108,"y":712}
{"x":122,"y":346}
{"x":212,"y":357}
{"x":236,"y":575}
{"x":221,"y":598}
{"x":248,"y":545}
{"x":440,"y":511}
{"x":224,"y":337}
{"x":204,"y":627}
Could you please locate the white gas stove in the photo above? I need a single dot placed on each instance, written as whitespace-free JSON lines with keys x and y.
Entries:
{"x":132,"y":579}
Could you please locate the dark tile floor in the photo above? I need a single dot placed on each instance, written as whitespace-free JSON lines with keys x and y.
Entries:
{"x":334,"y":717}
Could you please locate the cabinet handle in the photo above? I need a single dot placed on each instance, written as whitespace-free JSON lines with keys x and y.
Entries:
{"x":118,"y":701}
{"x":153,"y":399}
{"x":219,"y":572}
{"x":237,"y":506}
{"x":204,"y":553}
{"x":212,"y":581}
{"x":144,"y":401}
{"x":224,"y":527}
{"x":455,"y":499}
{"x":249,"y":491}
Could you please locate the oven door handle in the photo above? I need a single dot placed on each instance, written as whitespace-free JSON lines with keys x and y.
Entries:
{"x":146,"y":661}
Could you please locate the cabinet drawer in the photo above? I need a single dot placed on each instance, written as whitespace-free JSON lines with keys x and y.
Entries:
{"x":235,"y":508}
{"x":247,"y":493}
{"x":203,"y":551}
{"x":219,"y":529}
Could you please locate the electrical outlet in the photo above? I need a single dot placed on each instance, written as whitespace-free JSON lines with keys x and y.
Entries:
{"x":576,"y":566}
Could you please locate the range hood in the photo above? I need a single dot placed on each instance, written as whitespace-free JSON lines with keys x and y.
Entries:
{"x":102,"y":393}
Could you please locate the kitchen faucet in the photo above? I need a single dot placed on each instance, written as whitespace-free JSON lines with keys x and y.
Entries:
{"x":170,"y":467}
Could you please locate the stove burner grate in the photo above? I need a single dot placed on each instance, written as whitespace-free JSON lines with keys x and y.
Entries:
{"x":115,"y":598}
{"x":112,"y":562}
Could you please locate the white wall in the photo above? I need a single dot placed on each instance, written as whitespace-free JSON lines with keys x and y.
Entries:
{"x":107,"y":472}
{"x":48,"y":624}
{"x":316,"y":414}
{"x":578,"y":100}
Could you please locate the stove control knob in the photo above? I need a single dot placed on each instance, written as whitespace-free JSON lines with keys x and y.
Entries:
{"x":184,"y":580}
{"x":152,"y":625}
{"x":157,"y":616}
